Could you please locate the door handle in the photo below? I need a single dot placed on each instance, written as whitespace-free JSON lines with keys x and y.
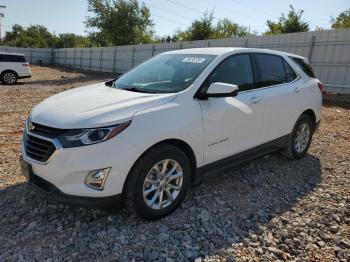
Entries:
{"x":297,"y":89}
{"x":255,"y":100}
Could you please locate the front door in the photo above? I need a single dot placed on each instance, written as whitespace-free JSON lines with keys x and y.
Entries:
{"x":232,"y":124}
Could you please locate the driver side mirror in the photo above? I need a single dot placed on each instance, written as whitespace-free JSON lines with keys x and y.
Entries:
{"x":222,"y":90}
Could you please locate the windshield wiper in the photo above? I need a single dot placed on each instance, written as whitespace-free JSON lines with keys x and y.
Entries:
{"x":134,"y":89}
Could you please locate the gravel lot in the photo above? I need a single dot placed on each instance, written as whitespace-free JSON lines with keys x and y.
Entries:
{"x":267,"y":209}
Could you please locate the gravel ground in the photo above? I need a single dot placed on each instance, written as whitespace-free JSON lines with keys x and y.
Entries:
{"x":267,"y":209}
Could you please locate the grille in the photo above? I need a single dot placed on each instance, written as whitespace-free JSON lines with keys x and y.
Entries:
{"x":46,"y":131}
{"x":38,"y":149}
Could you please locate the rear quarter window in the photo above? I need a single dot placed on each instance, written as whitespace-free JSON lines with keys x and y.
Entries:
{"x":304,"y":65}
{"x":12,"y":58}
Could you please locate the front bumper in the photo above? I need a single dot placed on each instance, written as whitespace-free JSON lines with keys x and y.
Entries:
{"x":114,"y":201}
{"x":66,"y":169}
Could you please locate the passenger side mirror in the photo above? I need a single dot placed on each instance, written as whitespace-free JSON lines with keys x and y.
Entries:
{"x":222,"y":90}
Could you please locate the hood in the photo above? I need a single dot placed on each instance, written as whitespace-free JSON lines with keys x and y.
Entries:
{"x":94,"y":106}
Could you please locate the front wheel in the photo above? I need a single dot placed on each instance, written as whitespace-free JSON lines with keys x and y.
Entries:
{"x":157,"y":183}
{"x":300,"y":138}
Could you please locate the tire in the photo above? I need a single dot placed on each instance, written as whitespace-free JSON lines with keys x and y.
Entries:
{"x":144,"y":178}
{"x":299,"y":145}
{"x":9,"y":78}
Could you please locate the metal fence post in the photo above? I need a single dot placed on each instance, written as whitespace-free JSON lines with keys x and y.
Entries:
{"x":90,"y":58}
{"x":81,"y":57}
{"x":101,"y":55}
{"x":65,"y":56}
{"x":53,"y":53}
{"x":153,"y":49}
{"x":74,"y":56}
{"x":132,"y":56}
{"x":115,"y":60}
{"x":313,"y":40}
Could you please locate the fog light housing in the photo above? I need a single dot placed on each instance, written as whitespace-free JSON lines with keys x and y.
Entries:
{"x":96,"y":179}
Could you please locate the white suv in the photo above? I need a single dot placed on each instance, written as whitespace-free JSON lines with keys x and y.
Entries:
{"x":142,"y":139}
{"x":13,"y":67}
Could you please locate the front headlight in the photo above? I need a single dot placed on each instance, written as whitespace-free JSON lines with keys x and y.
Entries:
{"x":81,"y":137}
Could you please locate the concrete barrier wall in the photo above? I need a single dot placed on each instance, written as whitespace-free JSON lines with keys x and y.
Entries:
{"x":328,"y":52}
{"x":34,"y":55}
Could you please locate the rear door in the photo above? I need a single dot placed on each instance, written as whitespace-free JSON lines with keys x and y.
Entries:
{"x":281,"y":90}
{"x":232,"y":124}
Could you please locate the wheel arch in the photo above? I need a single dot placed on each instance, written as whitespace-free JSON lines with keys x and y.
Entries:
{"x":311,"y":114}
{"x":180,"y":144}
{"x":9,"y":70}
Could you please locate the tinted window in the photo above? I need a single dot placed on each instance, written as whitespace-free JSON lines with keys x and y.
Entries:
{"x":270,"y":70}
{"x":236,"y":70}
{"x":305,"y":66}
{"x":290,"y":74}
{"x":12,"y":58}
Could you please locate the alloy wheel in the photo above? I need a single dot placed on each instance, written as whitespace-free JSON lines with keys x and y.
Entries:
{"x":162,"y":184}
{"x":302,"y":138}
{"x":9,"y":78}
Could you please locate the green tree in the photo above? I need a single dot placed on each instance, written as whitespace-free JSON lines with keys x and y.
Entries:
{"x":226,"y":28}
{"x":32,"y":36}
{"x":204,"y":28}
{"x":200,"y":29}
{"x":342,"y":20}
{"x":39,"y":36}
{"x":72,"y":40}
{"x":291,"y":23}
{"x":120,"y":22}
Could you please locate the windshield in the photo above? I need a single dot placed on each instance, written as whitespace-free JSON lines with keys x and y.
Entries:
{"x":169,"y":73}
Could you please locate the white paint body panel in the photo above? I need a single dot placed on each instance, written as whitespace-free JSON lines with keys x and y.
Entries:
{"x":215,"y":128}
{"x":20,"y":68}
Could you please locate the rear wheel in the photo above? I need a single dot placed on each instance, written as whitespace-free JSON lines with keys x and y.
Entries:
{"x":9,"y":77}
{"x":157,"y":183}
{"x":300,"y":138}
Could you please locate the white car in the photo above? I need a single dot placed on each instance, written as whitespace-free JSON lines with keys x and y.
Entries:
{"x":12,"y":67}
{"x":142,"y":139}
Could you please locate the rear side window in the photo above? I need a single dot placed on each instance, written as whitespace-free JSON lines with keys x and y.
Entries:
{"x":290,"y":74}
{"x":12,"y":58}
{"x":304,"y":65}
{"x":235,"y":70}
{"x":271,"y":70}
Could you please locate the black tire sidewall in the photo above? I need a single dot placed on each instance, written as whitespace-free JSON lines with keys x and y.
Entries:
{"x":167,"y":152}
{"x":303,"y":119}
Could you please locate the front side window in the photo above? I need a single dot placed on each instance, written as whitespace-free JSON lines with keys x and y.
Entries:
{"x":168,"y":73}
{"x":270,"y":70}
{"x":235,"y":70}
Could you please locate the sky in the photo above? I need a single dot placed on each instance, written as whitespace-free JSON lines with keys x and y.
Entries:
{"x":62,"y":16}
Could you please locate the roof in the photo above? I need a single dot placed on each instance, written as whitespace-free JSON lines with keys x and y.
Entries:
{"x":224,"y":50}
{"x":7,"y":53}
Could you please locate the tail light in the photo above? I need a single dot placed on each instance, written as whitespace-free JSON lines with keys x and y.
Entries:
{"x":26,"y":64}
{"x":321,"y":87}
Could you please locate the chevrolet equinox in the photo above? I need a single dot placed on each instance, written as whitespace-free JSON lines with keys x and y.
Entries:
{"x":142,"y":139}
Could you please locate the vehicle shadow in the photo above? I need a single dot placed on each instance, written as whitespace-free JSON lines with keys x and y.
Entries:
{"x":225,"y":209}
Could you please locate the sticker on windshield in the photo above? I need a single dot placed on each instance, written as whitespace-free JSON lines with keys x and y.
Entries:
{"x":196,"y":60}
